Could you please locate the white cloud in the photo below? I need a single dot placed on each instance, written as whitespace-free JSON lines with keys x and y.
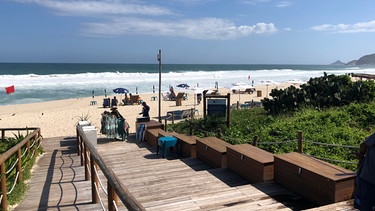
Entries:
{"x":118,"y":17}
{"x":347,"y":28}
{"x":92,"y":7}
{"x":284,"y":4}
{"x":205,"y":28}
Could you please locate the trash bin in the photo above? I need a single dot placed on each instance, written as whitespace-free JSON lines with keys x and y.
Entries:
{"x":259,"y":93}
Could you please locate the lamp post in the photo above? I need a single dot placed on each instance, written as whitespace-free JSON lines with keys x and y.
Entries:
{"x":159,"y":59}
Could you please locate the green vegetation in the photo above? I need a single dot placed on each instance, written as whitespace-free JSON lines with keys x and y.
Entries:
{"x":324,"y":92}
{"x":330,"y":117}
{"x":27,"y":163}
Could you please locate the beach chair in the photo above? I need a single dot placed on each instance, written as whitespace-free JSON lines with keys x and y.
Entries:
{"x":250,"y":90}
{"x":134,"y":99}
{"x":114,"y":102}
{"x":164,"y":97}
{"x":106,"y":102}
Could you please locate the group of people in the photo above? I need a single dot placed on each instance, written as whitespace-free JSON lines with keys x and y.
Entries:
{"x":114,"y":125}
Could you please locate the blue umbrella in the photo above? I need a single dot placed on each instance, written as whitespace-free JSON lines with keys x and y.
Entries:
{"x":121,"y":91}
{"x":184,"y":86}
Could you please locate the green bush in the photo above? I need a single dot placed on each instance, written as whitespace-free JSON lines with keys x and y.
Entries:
{"x":345,"y":125}
{"x":323,"y":92}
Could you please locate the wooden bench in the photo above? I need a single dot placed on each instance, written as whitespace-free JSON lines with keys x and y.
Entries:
{"x":212,"y":151}
{"x":152,"y":136}
{"x":180,"y":114}
{"x":187,"y":145}
{"x":252,"y":163}
{"x":316,"y":180}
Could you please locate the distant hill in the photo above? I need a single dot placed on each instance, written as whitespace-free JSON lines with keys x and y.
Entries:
{"x":364,"y":60}
{"x":338,"y":62}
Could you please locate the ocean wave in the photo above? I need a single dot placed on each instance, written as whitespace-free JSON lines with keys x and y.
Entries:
{"x":56,"y":86}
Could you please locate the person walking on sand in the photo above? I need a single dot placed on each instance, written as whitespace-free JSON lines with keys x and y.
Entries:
{"x":145,"y":110}
{"x":365,"y":192}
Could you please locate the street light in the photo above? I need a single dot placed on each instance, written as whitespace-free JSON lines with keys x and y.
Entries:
{"x":159,"y":59}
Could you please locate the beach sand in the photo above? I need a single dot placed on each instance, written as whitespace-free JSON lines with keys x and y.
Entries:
{"x":59,"y":118}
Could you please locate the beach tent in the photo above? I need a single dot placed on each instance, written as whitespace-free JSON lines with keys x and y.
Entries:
{"x":240,"y":86}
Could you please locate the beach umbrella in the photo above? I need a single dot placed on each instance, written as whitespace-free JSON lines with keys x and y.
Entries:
{"x":121,"y":91}
{"x":296,"y":81}
{"x":184,"y":86}
{"x":269,"y":82}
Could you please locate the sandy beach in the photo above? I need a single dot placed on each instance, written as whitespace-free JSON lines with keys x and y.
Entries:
{"x":58,"y":118}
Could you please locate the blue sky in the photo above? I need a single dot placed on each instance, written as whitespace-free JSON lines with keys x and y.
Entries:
{"x":187,"y":31}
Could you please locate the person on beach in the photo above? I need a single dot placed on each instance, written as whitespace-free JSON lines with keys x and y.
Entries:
{"x":172,"y":95}
{"x":145,"y":110}
{"x":365,"y":187}
{"x":114,"y":101}
{"x":126,"y":100}
{"x":116,"y":113}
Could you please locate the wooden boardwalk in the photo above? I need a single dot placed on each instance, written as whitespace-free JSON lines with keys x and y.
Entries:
{"x":158,"y":184}
{"x":58,"y":180}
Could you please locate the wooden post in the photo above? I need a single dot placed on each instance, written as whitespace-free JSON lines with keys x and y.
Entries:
{"x":228,"y":110}
{"x":36,"y":144}
{"x":299,"y":137}
{"x":87,"y":163}
{"x":112,"y":197}
{"x":219,"y":133}
{"x":255,"y":141}
{"x":19,"y":165}
{"x":192,"y":113}
{"x":82,"y":149}
{"x":172,"y":118}
{"x":78,"y":144}
{"x":94,"y":181}
{"x":238,"y":105}
{"x":2,"y":135}
{"x":165,"y":125}
{"x":4,"y":201}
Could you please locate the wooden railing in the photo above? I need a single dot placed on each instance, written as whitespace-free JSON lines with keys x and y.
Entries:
{"x":27,"y":147}
{"x":91,"y":159}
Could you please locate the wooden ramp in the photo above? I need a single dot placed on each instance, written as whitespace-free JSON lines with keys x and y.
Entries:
{"x":158,"y":184}
{"x":58,"y":180}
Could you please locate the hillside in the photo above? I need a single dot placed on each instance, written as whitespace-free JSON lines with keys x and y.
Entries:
{"x":364,"y":60}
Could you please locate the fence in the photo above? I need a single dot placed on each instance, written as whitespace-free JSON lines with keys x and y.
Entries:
{"x":11,"y":161}
{"x":91,"y":160}
{"x":300,"y":142}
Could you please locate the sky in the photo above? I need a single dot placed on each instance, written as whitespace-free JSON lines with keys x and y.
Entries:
{"x":186,"y":31}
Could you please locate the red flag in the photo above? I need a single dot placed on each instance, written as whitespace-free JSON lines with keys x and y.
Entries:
{"x":9,"y":89}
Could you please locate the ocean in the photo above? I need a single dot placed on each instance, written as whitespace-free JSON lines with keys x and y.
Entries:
{"x":38,"y":82}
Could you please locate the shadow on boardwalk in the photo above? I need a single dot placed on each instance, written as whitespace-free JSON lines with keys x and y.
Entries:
{"x":58,"y":181}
